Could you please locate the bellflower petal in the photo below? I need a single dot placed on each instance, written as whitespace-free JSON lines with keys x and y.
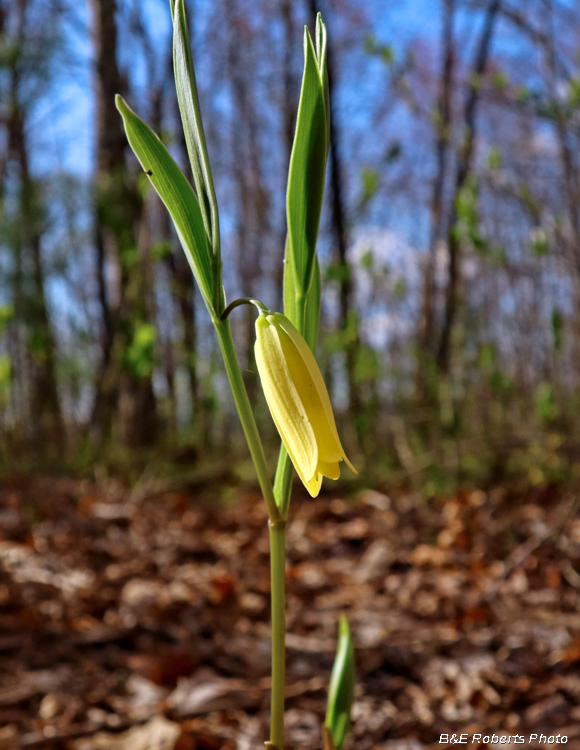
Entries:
{"x":298,"y":401}
{"x":283,"y":399}
{"x":314,"y":371}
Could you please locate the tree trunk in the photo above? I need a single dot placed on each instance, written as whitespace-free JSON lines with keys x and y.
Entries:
{"x":123,"y":390}
{"x":252,"y":217}
{"x":46,"y":419}
{"x":426,"y":349}
{"x":566,"y":154}
{"x":30,"y":303}
{"x":463,"y":168}
{"x":182,"y":287}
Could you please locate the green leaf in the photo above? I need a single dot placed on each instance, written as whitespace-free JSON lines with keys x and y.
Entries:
{"x":5,"y":373}
{"x":341,"y":691}
{"x":367,"y":260}
{"x":337,"y":272}
{"x":160,"y":250}
{"x":546,"y":406}
{"x":540,"y":244}
{"x":304,"y":204}
{"x":189,"y":108}
{"x":574,"y":91}
{"x":322,"y":54}
{"x":494,"y":157}
{"x":370,"y":184}
{"x":522,"y":94}
{"x":475,"y":81}
{"x":312,"y":314}
{"x":175,"y":192}
{"x":6,"y":315}
{"x":373,"y":47}
{"x":140,"y":355}
{"x":500,"y":79}
{"x":308,"y":166}
{"x":367,"y":365}
{"x":306,"y":188}
{"x":487,"y":356}
{"x":309,"y":326}
{"x":558,"y":328}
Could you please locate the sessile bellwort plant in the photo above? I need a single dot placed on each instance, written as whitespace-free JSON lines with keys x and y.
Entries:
{"x":291,"y":379}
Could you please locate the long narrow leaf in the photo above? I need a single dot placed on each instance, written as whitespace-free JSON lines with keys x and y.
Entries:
{"x":321,"y":54}
{"x":304,"y":203}
{"x":175,"y":192}
{"x":341,"y":690}
{"x":189,"y":108}
{"x":309,"y":326}
{"x":307,"y":171}
{"x":312,"y":314}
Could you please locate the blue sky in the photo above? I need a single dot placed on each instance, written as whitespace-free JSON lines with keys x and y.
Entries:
{"x":65,"y":139}
{"x":65,"y":136}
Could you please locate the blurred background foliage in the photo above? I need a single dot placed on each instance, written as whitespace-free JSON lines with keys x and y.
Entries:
{"x":449,"y":246}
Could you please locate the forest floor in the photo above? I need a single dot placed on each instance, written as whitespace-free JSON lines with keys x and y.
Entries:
{"x":139,"y":620}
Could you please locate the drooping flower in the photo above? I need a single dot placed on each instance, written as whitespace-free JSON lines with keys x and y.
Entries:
{"x":298,"y":400}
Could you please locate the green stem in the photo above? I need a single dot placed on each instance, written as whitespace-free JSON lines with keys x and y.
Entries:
{"x":283,"y":483}
{"x":282,"y":493}
{"x":277,"y":501}
{"x":277,"y":585}
{"x":301,"y":313}
{"x":244,"y":301}
{"x":277,"y":526}
{"x":246,"y":415}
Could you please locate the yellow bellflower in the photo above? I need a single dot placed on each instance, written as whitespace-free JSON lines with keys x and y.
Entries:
{"x":298,"y":401}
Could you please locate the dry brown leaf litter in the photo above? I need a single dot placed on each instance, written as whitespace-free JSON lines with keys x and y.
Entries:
{"x":144,"y":626}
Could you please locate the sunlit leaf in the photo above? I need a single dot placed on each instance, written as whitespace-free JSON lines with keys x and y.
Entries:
{"x":6,"y":315}
{"x":494,"y":157}
{"x":322,"y":54}
{"x":5,"y":373}
{"x":188,"y":99}
{"x":341,"y":690}
{"x":307,"y":170}
{"x":540,"y":245}
{"x":309,"y":326}
{"x":312,"y":313}
{"x":546,"y":406}
{"x":574,"y":91}
{"x":175,"y":192}
{"x":140,"y":354}
{"x":373,"y":47}
{"x":370,"y":184}
{"x":500,"y":79}
{"x":304,"y":203}
{"x":558,"y":328}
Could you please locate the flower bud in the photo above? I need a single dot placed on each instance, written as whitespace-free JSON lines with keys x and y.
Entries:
{"x":298,"y":401}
